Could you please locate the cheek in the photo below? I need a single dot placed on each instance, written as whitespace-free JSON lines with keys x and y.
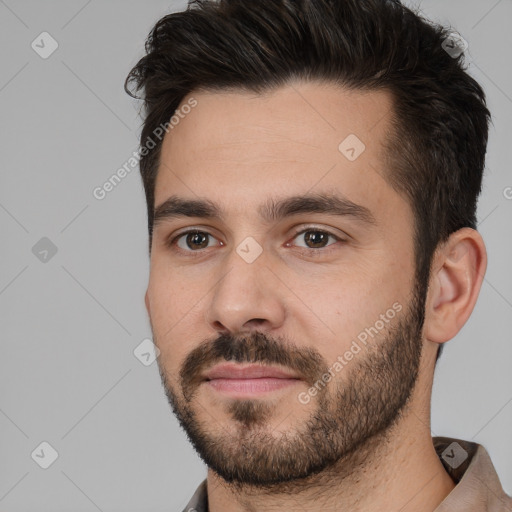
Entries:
{"x":346,"y":303}
{"x":174,"y":313}
{"x":170,"y":292}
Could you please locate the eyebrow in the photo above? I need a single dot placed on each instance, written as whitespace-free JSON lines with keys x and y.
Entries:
{"x":271,"y":211}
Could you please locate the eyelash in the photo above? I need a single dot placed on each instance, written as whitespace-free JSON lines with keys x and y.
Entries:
{"x":172,"y":241}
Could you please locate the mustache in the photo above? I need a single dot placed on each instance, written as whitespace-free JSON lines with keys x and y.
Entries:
{"x":255,"y":347}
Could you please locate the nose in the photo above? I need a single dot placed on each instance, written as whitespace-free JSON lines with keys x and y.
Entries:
{"x":246,"y":297}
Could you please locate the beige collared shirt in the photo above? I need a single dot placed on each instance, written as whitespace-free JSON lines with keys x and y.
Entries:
{"x":478,"y":488}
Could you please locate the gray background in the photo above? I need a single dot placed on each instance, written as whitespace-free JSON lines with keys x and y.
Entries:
{"x":68,"y":374}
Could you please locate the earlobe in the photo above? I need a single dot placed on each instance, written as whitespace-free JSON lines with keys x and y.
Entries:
{"x":457,"y":273}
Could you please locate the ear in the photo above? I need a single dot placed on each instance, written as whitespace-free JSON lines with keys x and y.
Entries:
{"x":457,"y":272}
{"x":146,"y":300}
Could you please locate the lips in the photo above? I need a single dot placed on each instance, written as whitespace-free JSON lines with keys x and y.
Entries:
{"x":252,"y":371}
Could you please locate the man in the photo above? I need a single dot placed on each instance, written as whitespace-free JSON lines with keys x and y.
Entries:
{"x":311,"y":171}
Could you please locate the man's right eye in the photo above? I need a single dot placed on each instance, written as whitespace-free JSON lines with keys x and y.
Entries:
{"x":192,"y":240}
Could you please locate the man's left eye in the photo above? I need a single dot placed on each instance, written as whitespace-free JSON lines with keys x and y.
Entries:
{"x":315,"y":238}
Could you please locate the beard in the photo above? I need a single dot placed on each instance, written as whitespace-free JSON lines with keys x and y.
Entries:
{"x":349,"y":419}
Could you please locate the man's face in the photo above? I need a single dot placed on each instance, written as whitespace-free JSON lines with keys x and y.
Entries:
{"x":326,"y":297}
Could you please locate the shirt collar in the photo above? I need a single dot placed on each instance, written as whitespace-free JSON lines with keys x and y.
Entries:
{"x":478,"y":488}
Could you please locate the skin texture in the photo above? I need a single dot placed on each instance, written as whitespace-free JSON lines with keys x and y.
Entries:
{"x":363,"y":442}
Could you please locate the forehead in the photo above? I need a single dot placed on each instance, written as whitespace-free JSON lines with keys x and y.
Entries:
{"x":239,"y":148}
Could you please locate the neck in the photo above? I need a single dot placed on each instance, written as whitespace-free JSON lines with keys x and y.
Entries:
{"x":397,"y":470}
